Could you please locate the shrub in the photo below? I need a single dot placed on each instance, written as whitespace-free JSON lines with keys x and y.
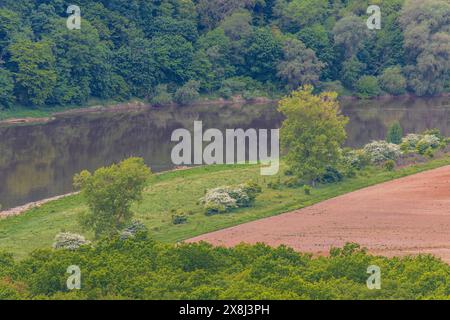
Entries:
{"x":223,"y":199}
{"x":381,"y":151}
{"x":252,"y":189}
{"x":395,"y":133}
{"x":161,"y":96}
{"x":367,"y":87}
{"x":389,"y":165}
{"x":420,"y":143}
{"x":332,"y":86}
{"x":410,"y":142}
{"x":431,"y":140}
{"x":69,"y":241}
{"x":392,"y":81}
{"x":133,"y":229}
{"x":240,"y":84}
{"x":179,"y":217}
{"x":307,"y":190}
{"x":218,"y":200}
{"x":292,"y":182}
{"x":225,"y":93}
{"x":187,"y":93}
{"x":331,"y":175}
{"x":357,"y":159}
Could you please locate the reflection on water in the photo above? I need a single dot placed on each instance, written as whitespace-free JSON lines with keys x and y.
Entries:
{"x":39,"y":161}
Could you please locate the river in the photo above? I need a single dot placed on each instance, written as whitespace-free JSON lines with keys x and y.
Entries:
{"x":38,"y":161}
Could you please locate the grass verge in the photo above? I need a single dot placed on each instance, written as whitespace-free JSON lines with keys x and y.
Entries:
{"x":37,"y":227}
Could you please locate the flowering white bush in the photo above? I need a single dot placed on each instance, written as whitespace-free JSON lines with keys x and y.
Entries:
{"x":69,"y":241}
{"x":430,"y":140}
{"x":420,"y":143}
{"x":218,"y":200}
{"x":226,"y":198}
{"x":381,"y":151}
{"x":410,"y":141}
{"x":357,"y":159}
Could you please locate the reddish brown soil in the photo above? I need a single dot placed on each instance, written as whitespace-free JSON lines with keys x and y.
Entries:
{"x":401,"y":217}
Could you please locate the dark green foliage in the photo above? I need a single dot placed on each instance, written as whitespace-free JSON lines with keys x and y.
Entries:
{"x":331,"y":175}
{"x":128,"y":49}
{"x":395,"y":133}
{"x":6,"y":88}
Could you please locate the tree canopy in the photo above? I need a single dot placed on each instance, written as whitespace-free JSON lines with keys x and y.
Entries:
{"x":129,"y":49}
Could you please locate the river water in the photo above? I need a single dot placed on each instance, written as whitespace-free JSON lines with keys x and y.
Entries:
{"x":38,"y":161}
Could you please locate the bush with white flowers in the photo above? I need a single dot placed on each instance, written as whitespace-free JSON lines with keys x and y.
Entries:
{"x":420,"y":143}
{"x":381,"y":151}
{"x":132,"y":230}
{"x":224,"y":199}
{"x":410,"y":141}
{"x":69,"y":241}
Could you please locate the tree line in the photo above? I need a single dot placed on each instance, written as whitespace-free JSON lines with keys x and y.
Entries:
{"x":177,"y":49}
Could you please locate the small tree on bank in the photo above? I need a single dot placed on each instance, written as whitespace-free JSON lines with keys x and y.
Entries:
{"x":395,"y":133}
{"x":110,"y":192}
{"x":312,"y":132}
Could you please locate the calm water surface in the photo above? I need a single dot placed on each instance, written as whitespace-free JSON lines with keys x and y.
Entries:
{"x":38,"y":161}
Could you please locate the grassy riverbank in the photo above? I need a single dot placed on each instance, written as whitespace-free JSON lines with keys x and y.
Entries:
{"x":37,"y":227}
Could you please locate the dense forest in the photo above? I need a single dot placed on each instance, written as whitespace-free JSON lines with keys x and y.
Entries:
{"x":174,"y":50}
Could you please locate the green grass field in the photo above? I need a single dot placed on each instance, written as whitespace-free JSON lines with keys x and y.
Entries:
{"x":181,"y":190}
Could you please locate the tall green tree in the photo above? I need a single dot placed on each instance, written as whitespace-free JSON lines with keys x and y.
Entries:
{"x":263,"y":53}
{"x":312,"y":133}
{"x":299,"y":66}
{"x":34,"y":70}
{"x":110,"y":192}
{"x":427,"y":43}
{"x":6,"y":88}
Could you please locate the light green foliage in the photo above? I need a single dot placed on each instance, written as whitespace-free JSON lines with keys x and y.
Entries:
{"x":367,"y":87}
{"x":421,"y":143}
{"x":35,"y":76}
{"x":110,"y":192}
{"x":143,"y":269}
{"x":36,"y":229}
{"x":312,"y":133}
{"x":392,"y":81}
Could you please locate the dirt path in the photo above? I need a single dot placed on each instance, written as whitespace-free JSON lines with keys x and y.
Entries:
{"x":401,"y":217}
{"x":19,"y":210}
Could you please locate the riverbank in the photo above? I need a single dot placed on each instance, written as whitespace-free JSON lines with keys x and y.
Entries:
{"x":24,"y":116}
{"x":31,"y":116}
{"x":180,"y":190}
